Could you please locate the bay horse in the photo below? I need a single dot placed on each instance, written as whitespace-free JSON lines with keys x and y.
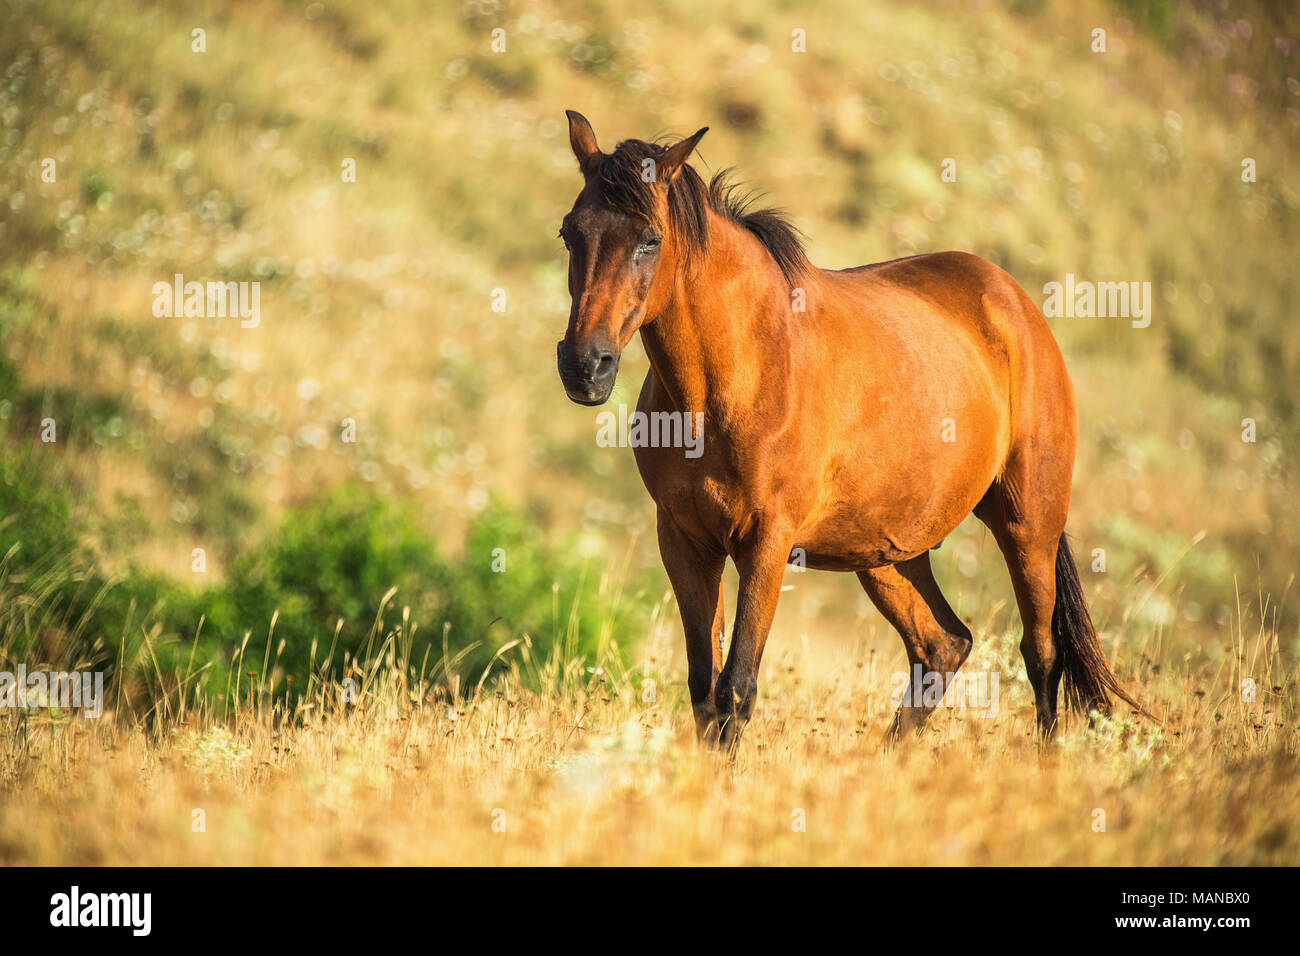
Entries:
{"x":851,"y":417}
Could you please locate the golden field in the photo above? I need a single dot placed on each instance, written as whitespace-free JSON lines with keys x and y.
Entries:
{"x":595,"y":766}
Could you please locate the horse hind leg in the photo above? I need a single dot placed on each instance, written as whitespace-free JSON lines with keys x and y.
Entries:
{"x":936,"y":639}
{"x":1028,"y":527}
{"x":1060,"y":640}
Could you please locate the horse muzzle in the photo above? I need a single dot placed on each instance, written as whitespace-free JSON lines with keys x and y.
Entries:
{"x":587,"y":374}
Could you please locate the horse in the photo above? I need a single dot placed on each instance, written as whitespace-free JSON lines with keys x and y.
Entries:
{"x":851,"y":420}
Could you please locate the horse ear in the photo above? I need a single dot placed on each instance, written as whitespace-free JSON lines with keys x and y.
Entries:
{"x":583,"y":140}
{"x":672,"y":161}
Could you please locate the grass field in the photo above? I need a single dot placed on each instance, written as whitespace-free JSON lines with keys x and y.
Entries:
{"x":205,"y":534}
{"x":556,"y":763}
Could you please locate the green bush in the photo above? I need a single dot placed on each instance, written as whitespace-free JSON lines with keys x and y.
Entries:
{"x":337,"y":557}
{"x":334,"y":558}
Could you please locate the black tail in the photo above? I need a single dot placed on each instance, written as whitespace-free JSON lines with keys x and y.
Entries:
{"x":1089,"y":681}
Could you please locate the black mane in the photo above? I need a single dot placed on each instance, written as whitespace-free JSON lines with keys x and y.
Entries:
{"x":689,"y":198}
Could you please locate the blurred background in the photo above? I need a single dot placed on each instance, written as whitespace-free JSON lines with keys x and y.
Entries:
{"x":201,"y":470}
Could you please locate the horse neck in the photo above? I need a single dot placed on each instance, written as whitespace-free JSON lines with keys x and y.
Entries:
{"x":725,"y":332}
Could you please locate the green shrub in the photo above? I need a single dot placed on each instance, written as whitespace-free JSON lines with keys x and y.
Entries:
{"x":337,"y":557}
{"x":333,"y":558}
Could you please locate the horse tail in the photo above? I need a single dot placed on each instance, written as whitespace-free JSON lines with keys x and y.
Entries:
{"x":1089,"y":681}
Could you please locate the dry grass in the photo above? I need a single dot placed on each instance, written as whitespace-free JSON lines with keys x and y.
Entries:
{"x":602,"y":768}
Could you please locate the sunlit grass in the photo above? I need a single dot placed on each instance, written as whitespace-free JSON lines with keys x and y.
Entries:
{"x":387,"y":760}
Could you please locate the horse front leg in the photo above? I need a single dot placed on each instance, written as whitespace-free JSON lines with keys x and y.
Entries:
{"x":696,"y":578}
{"x":762,"y":569}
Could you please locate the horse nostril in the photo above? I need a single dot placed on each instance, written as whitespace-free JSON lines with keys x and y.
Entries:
{"x":605,"y":364}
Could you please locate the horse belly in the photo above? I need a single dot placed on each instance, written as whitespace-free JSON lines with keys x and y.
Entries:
{"x":858,"y":541}
{"x":900,"y":490}
{"x":869,"y":533}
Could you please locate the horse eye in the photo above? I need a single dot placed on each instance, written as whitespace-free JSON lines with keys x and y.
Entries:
{"x":649,"y":245}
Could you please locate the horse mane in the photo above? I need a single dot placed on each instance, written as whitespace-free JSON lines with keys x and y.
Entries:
{"x":622,"y":187}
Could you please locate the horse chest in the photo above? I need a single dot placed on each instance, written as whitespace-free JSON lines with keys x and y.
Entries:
{"x":700,"y":494}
